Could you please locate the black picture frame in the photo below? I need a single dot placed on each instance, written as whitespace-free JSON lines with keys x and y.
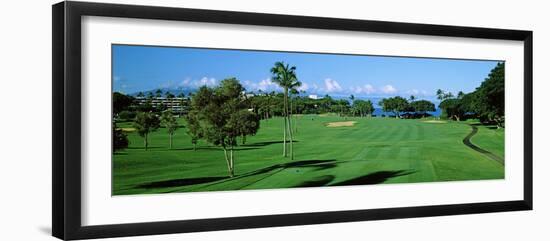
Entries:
{"x":66,"y":169}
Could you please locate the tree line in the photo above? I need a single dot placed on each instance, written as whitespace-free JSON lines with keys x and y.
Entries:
{"x":485,"y":103}
{"x":412,"y":108}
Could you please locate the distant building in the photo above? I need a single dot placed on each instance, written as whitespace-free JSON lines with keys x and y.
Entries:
{"x":173,"y":104}
{"x":314,"y":97}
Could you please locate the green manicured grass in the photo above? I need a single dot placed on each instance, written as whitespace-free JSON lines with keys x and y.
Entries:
{"x":490,"y":139}
{"x":374,"y":150}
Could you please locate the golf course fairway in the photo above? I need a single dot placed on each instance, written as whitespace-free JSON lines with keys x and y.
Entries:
{"x":357,"y":151}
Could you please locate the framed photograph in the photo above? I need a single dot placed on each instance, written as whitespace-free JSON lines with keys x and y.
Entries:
{"x":170,"y":120}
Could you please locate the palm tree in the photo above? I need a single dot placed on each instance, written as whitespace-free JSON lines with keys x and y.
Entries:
{"x":352,"y":98}
{"x":440,"y":94}
{"x":460,"y":94}
{"x":285,"y":77}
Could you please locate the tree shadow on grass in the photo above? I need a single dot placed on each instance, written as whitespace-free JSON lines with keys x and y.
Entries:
{"x":197,"y":148}
{"x":316,"y":164}
{"x":488,"y":126}
{"x":374,"y":178}
{"x":267,"y":143}
{"x":143,"y":148}
{"x":212,"y":148}
{"x":180,"y":182}
{"x":317,"y":181}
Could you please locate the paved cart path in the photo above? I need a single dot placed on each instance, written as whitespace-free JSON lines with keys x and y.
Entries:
{"x":467,"y":141}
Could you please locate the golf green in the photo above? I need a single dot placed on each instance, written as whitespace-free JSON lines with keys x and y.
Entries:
{"x":329,"y":151}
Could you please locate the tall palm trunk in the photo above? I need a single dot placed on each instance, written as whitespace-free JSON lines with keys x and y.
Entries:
{"x":289,"y":118}
{"x":284,"y":121}
{"x":295,"y":119}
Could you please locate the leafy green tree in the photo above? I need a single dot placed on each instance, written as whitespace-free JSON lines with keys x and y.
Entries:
{"x":395,"y":104}
{"x":452,"y":108}
{"x":120,"y":139}
{"x":442,"y":95}
{"x":193,"y":127}
{"x":216,"y":115}
{"x":342,"y":106}
{"x":364,"y":108}
{"x":246,"y":123}
{"x":486,"y":102}
{"x":126,"y":115}
{"x":285,"y":76}
{"x":368,"y":108}
{"x":490,"y":102}
{"x":170,"y":122}
{"x":121,"y":102}
{"x":422,"y":106}
{"x":145,"y":123}
{"x":460,"y":94}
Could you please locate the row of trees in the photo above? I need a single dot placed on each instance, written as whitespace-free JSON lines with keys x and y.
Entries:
{"x":145,"y":123}
{"x":486,"y":103}
{"x":398,"y":105}
{"x":271,"y":104}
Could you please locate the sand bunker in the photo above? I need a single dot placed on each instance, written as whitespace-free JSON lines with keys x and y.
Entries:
{"x":128,"y":129}
{"x":435,"y":121}
{"x":341,"y":123}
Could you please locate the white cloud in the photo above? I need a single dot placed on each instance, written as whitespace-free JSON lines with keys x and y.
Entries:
{"x":303,"y":87}
{"x":267,"y":84}
{"x":417,"y":92}
{"x":388,"y":89}
{"x":188,"y":82}
{"x":365,"y":89}
{"x":116,"y":78}
{"x":207,"y":81}
{"x":263,"y":85}
{"x":369,"y":89}
{"x":332,"y":85}
{"x":185,"y":82}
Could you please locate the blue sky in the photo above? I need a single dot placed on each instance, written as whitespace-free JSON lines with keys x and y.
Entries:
{"x":143,"y":68}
